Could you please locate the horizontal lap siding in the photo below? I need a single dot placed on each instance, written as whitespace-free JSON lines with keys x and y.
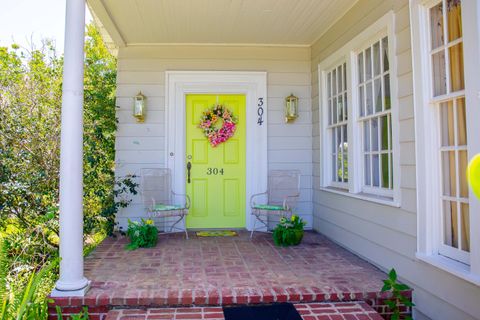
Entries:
{"x":386,"y":235}
{"x":143,"y":145}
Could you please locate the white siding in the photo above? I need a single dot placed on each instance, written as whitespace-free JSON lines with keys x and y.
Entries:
{"x":386,"y":235}
{"x":143,"y":68}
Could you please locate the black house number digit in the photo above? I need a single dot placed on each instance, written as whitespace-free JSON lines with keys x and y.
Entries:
{"x":260,"y":111}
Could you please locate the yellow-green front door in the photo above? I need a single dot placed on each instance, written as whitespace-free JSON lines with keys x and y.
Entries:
{"x":217,"y":175}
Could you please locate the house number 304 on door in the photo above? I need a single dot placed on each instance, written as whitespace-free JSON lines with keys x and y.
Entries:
{"x":215,"y":171}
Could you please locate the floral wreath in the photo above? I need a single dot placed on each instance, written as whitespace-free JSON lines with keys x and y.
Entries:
{"x":208,"y":124}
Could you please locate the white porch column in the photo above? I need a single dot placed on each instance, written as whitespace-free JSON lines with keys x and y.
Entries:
{"x":72,"y":282}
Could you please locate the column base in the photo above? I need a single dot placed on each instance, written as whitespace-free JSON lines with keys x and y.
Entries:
{"x":58,"y":293}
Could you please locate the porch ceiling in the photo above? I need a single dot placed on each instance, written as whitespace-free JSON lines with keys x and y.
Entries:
{"x":269,"y":22}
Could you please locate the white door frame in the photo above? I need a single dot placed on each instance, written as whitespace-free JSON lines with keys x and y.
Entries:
{"x":254,"y":86}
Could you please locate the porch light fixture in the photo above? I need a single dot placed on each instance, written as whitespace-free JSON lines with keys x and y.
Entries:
{"x":139,"y":107}
{"x":291,"y":108}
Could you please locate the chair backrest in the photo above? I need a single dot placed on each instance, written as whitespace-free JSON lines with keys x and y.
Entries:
{"x":156,"y":187}
{"x":282,"y":183}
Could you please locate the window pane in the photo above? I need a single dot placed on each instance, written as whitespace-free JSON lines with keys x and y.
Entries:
{"x":335,"y":108}
{"x":360,"y":68}
{"x":334,"y":82}
{"x":384,"y":132}
{"x":369,"y":98}
{"x":436,"y":25}
{"x":378,"y":95}
{"x":345,"y":104}
{"x":457,"y":81}
{"x":447,"y":125}
{"x":361,"y":100}
{"x":454,"y":19}
{"x":334,"y":168}
{"x":368,"y":64}
{"x":367,"y":170}
{"x":375,"y":170}
{"x":461,"y":122}
{"x":329,"y":111}
{"x":385,"y":175}
{"x":340,"y":79}
{"x":329,"y":84}
{"x":439,"y":73}
{"x":375,"y":134}
{"x":345,"y":154}
{"x":462,"y":173}
{"x":449,"y":173}
{"x":345,"y":76}
{"x":465,"y":222}
{"x":386,"y":93}
{"x":376,"y":59}
{"x":366,"y":135}
{"x":385,"y":54}
{"x":334,"y":141}
{"x":340,"y":154}
{"x":450,"y":223}
{"x":340,"y":108}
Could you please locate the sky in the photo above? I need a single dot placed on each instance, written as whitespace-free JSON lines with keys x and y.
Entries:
{"x":22,"y":21}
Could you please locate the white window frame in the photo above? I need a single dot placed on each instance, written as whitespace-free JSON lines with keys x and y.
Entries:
{"x":330,"y":128}
{"x":427,"y":137}
{"x":348,"y":53}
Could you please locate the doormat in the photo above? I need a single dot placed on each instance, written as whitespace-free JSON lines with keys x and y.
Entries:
{"x":216,"y":233}
{"x":281,"y":311}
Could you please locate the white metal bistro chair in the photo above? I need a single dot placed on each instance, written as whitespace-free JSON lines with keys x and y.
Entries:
{"x":159,"y":198}
{"x":282,"y":195}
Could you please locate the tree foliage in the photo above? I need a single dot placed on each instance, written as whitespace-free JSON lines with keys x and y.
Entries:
{"x":30,"y":109}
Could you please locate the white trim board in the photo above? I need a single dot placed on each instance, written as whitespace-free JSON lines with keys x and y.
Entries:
{"x":254,"y":86}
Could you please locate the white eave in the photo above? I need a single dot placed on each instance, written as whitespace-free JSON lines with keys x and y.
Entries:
{"x":215,"y":22}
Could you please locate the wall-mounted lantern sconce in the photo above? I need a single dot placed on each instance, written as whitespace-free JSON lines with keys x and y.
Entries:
{"x":139,"y":107}
{"x":291,"y":108}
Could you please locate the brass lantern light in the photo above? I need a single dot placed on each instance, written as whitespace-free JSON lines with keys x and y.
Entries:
{"x":291,"y":108}
{"x":139,"y":107}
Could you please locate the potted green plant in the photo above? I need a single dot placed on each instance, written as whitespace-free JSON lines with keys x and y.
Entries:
{"x":142,"y":234}
{"x":289,"y":232}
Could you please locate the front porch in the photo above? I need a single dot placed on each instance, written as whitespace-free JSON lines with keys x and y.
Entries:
{"x":224,"y":271}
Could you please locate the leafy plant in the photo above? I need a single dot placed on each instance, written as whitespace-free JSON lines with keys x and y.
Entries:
{"x":82,"y":315}
{"x":289,"y":231}
{"x":22,"y":301}
{"x":142,"y":234}
{"x":397,"y":298}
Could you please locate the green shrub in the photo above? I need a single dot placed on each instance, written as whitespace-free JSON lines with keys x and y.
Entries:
{"x":142,"y":234}
{"x":23,"y":300}
{"x":289,"y":232}
{"x":82,"y":315}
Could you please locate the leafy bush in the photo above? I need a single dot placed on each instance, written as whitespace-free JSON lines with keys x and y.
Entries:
{"x":82,"y":315}
{"x":289,"y":231}
{"x":142,"y":234}
{"x":398,"y":299}
{"x":30,"y":105}
{"x":23,"y":300}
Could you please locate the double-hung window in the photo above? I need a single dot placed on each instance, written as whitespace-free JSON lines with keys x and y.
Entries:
{"x":337,"y":105}
{"x":445,"y":58}
{"x":357,"y":117}
{"x":375,"y":117}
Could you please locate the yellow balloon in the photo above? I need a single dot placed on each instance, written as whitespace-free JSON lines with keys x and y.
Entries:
{"x":473,"y":174}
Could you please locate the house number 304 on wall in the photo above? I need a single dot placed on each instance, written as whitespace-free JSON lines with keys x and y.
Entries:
{"x":260,"y":111}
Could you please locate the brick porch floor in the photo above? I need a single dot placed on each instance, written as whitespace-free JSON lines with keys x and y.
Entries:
{"x":310,"y":311}
{"x":223,"y":271}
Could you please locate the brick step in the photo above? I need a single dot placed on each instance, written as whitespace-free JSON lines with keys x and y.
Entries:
{"x":354,"y":310}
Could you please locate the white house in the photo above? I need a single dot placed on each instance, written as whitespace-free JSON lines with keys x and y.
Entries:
{"x":389,"y":98}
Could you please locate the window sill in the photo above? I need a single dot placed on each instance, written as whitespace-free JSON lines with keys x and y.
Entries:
{"x":363,"y":196}
{"x":451,"y":266}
